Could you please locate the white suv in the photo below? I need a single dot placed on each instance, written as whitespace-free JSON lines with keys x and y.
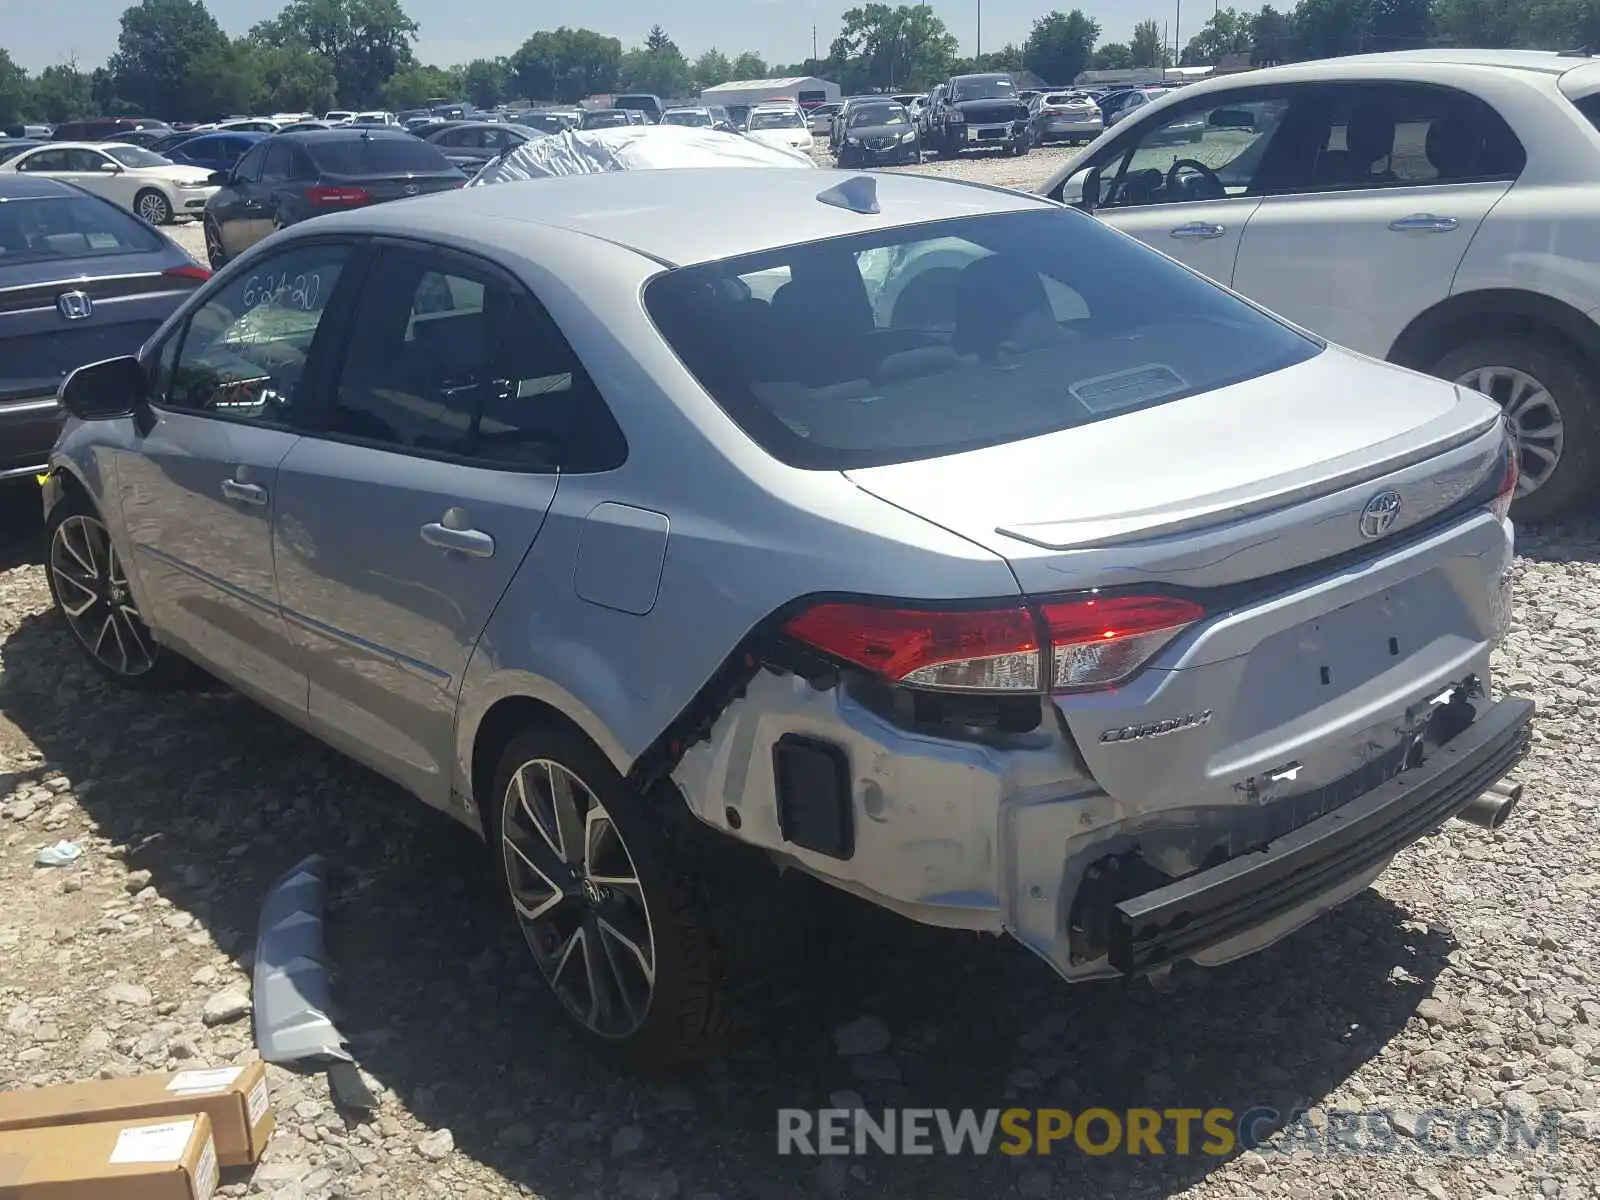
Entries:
{"x":1436,"y":208}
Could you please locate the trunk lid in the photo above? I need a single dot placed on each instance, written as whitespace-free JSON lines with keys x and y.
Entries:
{"x":381,"y":188}
{"x":1302,"y":683}
{"x":40,"y":345}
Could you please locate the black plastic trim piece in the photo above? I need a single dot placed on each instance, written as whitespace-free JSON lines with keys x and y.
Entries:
{"x":1209,"y":907}
{"x":812,"y":781}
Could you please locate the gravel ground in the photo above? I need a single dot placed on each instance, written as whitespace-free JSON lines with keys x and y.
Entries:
{"x":1467,"y":978}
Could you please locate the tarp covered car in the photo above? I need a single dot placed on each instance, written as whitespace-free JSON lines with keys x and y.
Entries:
{"x":633,"y":149}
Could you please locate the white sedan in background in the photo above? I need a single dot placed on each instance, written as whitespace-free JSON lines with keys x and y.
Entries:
{"x":780,"y":125}
{"x":152,"y":187}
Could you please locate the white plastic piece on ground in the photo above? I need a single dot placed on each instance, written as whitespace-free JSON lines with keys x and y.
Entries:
{"x":293,"y":1004}
{"x":635,"y":148}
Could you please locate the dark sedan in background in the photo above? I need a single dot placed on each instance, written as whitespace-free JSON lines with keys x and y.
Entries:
{"x":214,"y":151}
{"x":879,"y":135}
{"x":291,"y":177}
{"x":470,"y":144}
{"x":80,"y":280}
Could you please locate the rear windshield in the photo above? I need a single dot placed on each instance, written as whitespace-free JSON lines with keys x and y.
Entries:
{"x":931,"y":339}
{"x":39,"y":229}
{"x":375,"y":156}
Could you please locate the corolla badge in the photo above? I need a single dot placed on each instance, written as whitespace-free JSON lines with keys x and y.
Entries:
{"x":1380,"y":514}
{"x":1155,"y":729}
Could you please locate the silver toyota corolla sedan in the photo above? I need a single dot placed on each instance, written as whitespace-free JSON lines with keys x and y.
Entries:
{"x":930,"y":538}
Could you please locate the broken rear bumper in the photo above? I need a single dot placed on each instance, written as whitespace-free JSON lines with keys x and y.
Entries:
{"x":1199,"y":912}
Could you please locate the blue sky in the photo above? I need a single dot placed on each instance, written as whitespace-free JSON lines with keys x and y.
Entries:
{"x":40,"y":32}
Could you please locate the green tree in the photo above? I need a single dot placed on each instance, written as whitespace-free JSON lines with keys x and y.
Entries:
{"x":367,"y":41}
{"x":881,"y":47}
{"x":60,"y":93}
{"x":657,"y":40}
{"x":1492,"y":24}
{"x":1147,"y":46}
{"x":411,"y":85}
{"x":712,"y":68}
{"x":1401,"y":24}
{"x":1563,"y":24}
{"x":1271,"y":36}
{"x":225,"y":80}
{"x":1061,"y":45}
{"x":1329,"y":28}
{"x":15,"y":91}
{"x":1226,"y":31}
{"x":1113,"y":56}
{"x":661,"y":71}
{"x":161,"y":44}
{"x":751,"y":65}
{"x":487,"y":81}
{"x":290,"y":76}
{"x":566,"y":65}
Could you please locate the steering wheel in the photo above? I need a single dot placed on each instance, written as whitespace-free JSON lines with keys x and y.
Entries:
{"x":1214,"y":188}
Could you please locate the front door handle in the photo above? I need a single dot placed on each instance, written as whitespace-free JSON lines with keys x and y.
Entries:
{"x":1198,"y":230}
{"x":1424,"y":223}
{"x":464,"y":541}
{"x":245,"y":493}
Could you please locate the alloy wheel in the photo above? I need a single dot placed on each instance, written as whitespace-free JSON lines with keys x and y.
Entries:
{"x":153,"y":208}
{"x":215,"y":254}
{"x":1532,"y":416}
{"x":92,"y":590}
{"x":578,"y":898}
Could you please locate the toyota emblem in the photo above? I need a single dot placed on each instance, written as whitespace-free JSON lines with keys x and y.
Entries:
{"x":411,"y":189}
{"x":75,"y":306}
{"x":1380,"y":514}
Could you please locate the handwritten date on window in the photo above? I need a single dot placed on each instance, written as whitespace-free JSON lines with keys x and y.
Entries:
{"x":300,"y":292}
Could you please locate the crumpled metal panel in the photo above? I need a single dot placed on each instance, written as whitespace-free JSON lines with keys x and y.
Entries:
{"x":294,"y":1009}
{"x":635,"y":148}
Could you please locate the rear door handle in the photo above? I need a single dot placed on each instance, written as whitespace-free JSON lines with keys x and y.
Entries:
{"x":1198,"y":230}
{"x":245,"y":493}
{"x":1424,"y":223}
{"x":464,"y":541}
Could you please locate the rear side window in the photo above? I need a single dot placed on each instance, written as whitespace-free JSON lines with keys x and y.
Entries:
{"x":932,"y":339}
{"x":1589,"y":106}
{"x":45,"y":228}
{"x":375,"y":156}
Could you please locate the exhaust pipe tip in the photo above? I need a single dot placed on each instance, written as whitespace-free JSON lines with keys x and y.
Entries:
{"x":1493,"y":808}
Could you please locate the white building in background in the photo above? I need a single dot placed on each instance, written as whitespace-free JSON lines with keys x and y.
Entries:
{"x":805,"y":90}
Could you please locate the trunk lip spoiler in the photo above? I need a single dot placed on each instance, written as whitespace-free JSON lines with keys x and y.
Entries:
{"x":1234,"y":897}
{"x":1219,"y":509}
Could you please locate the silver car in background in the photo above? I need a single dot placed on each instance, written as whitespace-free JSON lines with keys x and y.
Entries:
{"x":930,"y":538}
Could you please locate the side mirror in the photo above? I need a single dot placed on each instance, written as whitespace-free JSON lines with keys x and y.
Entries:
{"x":102,"y":391}
{"x":110,"y":168}
{"x":219,"y":178}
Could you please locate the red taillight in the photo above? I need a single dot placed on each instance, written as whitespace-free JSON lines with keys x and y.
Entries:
{"x":1101,"y":640}
{"x":337,"y":195}
{"x":1507,"y":491}
{"x":1092,"y":642}
{"x":198,"y":274}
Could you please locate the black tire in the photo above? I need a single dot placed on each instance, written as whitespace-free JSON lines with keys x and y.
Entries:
{"x":1021,"y":148}
{"x":154,"y":208}
{"x":687,"y":1018}
{"x":165,"y":670}
{"x":216,"y":252}
{"x":1573,"y":388}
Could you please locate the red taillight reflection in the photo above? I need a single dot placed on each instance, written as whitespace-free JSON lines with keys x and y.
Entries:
{"x":197,"y":273}
{"x":332,"y":196}
{"x":1507,"y":491}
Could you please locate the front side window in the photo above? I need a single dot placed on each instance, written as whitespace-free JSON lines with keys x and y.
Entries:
{"x":245,"y":350}
{"x":447,"y":360}
{"x":249,"y":167}
{"x":1211,"y":152}
{"x":930,"y":339}
{"x":279,"y":166}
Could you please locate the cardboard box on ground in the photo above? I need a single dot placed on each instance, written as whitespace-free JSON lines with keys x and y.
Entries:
{"x":111,"y":1160}
{"x":133,"y":1139}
